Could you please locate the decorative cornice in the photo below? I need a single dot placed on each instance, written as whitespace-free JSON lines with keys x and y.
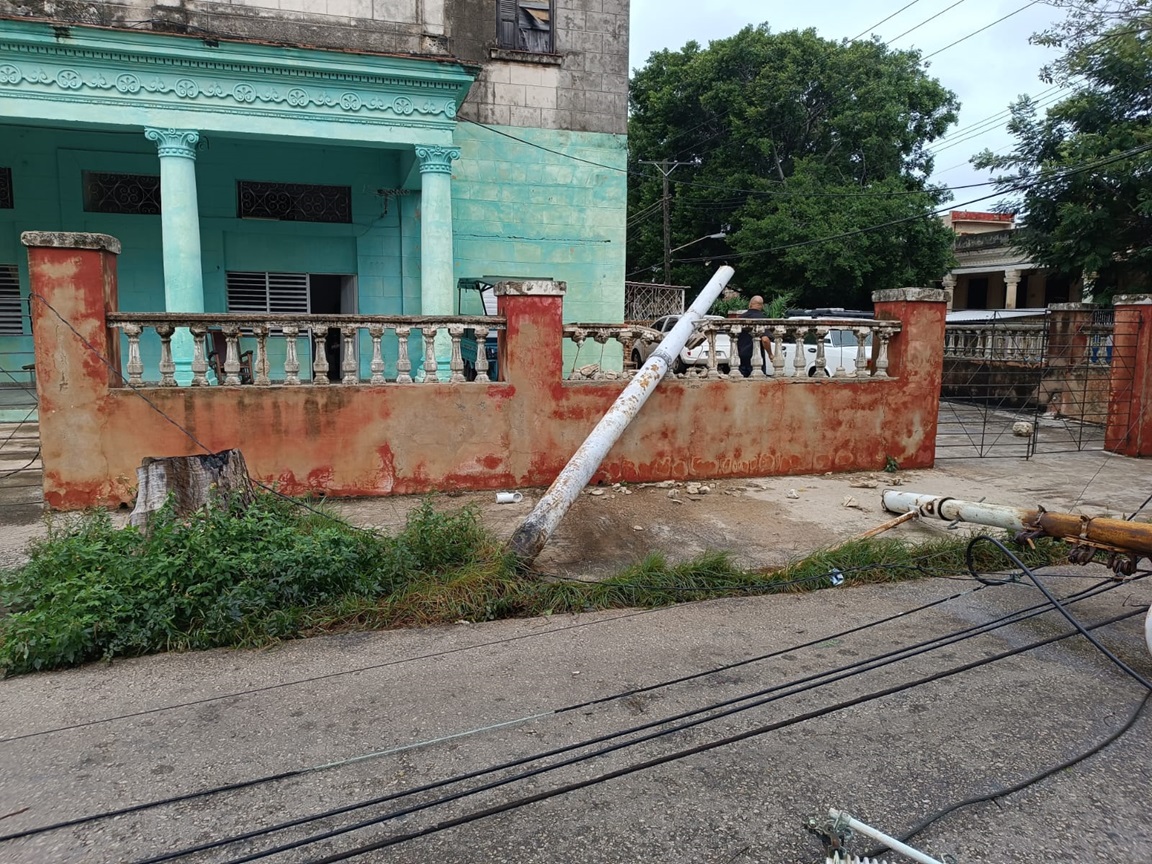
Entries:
{"x":436,"y":159}
{"x":174,"y":142}
{"x":134,"y":69}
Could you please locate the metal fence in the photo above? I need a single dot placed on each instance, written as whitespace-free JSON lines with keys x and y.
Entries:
{"x":21,"y":486}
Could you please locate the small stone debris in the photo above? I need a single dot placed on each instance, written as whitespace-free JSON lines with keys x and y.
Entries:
{"x":704,"y":490}
{"x":793,"y":494}
{"x":1023,"y":429}
{"x":596,"y":493}
{"x":673,"y":494}
{"x":665,"y":484}
{"x":692,"y":488}
{"x":864,"y":484}
{"x":850,"y":501}
{"x":637,"y":527}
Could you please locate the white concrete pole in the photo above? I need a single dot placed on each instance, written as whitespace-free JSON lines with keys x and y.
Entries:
{"x":534,"y":532}
{"x":180,"y":231}
{"x":1011,"y":288}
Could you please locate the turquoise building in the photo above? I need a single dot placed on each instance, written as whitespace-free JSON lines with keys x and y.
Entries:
{"x":362,"y":160}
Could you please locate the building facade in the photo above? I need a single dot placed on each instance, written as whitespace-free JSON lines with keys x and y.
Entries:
{"x":343,"y":156}
{"x":990,"y":274}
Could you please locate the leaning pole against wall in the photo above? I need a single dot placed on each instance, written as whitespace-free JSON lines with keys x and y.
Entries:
{"x":535,"y":531}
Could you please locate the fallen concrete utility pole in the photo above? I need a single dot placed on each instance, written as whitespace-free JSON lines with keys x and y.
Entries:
{"x":1127,"y":542}
{"x":535,"y":531}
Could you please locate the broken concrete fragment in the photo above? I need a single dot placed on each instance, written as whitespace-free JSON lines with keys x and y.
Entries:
{"x":596,"y":492}
{"x":1023,"y":429}
{"x":792,"y":493}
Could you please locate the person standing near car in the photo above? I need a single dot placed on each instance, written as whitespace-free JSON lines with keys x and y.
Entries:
{"x":744,"y":340}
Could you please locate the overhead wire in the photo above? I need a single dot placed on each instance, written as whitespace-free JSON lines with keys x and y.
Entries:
{"x":867,"y":30}
{"x":981,"y":30}
{"x":719,"y":710}
{"x":927,"y":20}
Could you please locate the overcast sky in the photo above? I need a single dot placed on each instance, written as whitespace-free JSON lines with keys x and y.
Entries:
{"x":987,"y":72}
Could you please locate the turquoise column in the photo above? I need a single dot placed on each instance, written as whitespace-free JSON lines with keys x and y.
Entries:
{"x":180,"y":225}
{"x":436,"y":268}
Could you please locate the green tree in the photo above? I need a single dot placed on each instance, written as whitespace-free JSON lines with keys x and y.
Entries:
{"x":784,"y":139}
{"x":1082,"y":175}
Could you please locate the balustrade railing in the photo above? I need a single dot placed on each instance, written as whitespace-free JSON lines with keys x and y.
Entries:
{"x":265,"y":350}
{"x":1016,"y":343}
{"x":825,"y":348}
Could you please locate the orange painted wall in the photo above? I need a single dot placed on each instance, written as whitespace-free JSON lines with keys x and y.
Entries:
{"x":400,"y":439}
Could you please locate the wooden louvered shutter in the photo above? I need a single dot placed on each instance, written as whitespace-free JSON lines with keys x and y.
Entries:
{"x":506,"y":24}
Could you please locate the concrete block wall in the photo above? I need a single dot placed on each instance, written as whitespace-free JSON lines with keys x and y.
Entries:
{"x":403,"y":439}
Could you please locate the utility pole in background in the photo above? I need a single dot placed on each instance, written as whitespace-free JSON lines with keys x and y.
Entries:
{"x":666,"y":168}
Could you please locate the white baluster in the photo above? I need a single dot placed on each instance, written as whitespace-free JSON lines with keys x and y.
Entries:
{"x":821,"y":358}
{"x":376,"y":331}
{"x":403,"y":364}
{"x":320,"y":360}
{"x":800,"y":361}
{"x":167,"y":365}
{"x":348,"y":365}
{"x":231,"y":355}
{"x":711,"y":370}
{"x":260,"y":365}
{"x":482,"y":355}
{"x":430,"y":368}
{"x":758,"y":353}
{"x":135,"y":365}
{"x":291,"y":356}
{"x":778,"y":350}
{"x":456,"y":362}
{"x":199,"y":356}
{"x":861,"y":357}
{"x":882,"y":357}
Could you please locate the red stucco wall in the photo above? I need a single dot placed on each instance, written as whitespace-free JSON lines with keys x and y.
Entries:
{"x":397,"y":439}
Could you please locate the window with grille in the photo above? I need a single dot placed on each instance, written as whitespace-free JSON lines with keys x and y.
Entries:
{"x":121,"y":193}
{"x":293,"y":202}
{"x":267,"y":292}
{"x":6,"y":198}
{"x":11,"y":306}
{"x":526,"y":25}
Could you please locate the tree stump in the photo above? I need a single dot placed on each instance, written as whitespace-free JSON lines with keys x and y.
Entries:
{"x":191,"y":483}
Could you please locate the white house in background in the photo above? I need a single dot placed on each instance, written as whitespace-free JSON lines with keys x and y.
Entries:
{"x":990,"y":274}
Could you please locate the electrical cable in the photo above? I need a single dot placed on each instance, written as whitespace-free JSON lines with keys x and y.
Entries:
{"x":985,"y":538}
{"x":695,"y":750}
{"x":884,"y":21}
{"x":1043,"y":775}
{"x":600,"y":700}
{"x":1080,"y":169}
{"x":927,"y":20}
{"x":1023,"y":784}
{"x":729,"y":706}
{"x":981,"y":30}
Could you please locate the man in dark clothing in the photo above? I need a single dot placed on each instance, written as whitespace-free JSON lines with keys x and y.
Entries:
{"x":744,"y":340}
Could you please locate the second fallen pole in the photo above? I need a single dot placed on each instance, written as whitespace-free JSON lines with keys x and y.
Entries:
{"x":535,"y":531}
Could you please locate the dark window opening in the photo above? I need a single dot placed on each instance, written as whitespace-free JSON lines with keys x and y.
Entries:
{"x":11,"y":306}
{"x":6,"y":201}
{"x":978,"y":293}
{"x":293,"y":202}
{"x":1057,"y":288}
{"x":526,"y":25}
{"x":137,"y":194}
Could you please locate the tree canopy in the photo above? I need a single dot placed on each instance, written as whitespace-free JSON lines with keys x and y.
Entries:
{"x":793,"y":144}
{"x":1082,"y":175}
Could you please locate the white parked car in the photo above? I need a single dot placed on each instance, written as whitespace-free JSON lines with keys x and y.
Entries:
{"x":697,"y":355}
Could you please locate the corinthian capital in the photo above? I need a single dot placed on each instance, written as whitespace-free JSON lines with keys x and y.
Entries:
{"x":435,"y":159}
{"x":174,"y":142}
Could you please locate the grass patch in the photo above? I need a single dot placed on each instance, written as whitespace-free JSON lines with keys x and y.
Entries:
{"x":272,"y":571}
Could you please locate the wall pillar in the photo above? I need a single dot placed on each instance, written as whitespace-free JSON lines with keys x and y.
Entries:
{"x":1129,"y":429}
{"x":949,"y":282}
{"x":180,"y":225}
{"x":1011,"y":287}
{"x":916,"y":356}
{"x":1067,"y":339}
{"x":436,"y":264}
{"x":75,"y":275}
